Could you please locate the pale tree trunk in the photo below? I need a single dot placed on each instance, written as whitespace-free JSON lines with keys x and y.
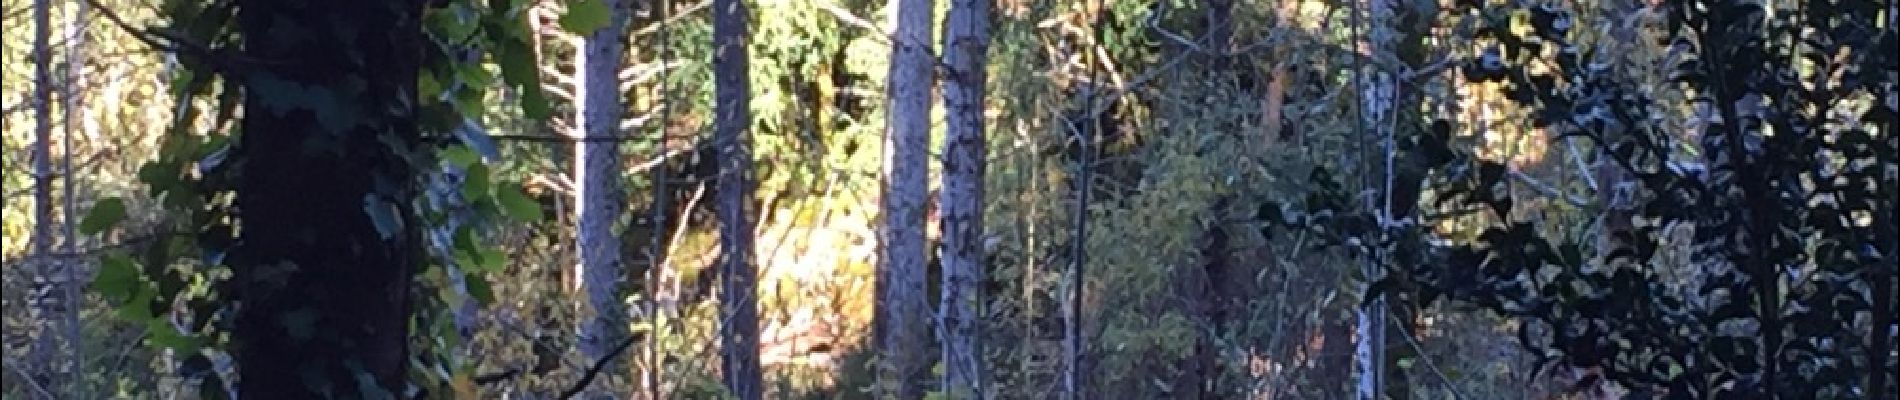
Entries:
{"x":966,"y":40}
{"x":739,"y":330}
{"x":75,"y":114}
{"x":1376,"y":93}
{"x":902,"y":322}
{"x":596,"y":174}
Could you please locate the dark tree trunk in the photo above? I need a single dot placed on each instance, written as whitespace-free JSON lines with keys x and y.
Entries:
{"x":326,"y":246}
{"x":739,"y":304}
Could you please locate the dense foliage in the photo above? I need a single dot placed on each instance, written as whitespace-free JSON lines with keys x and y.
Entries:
{"x":1685,"y":199}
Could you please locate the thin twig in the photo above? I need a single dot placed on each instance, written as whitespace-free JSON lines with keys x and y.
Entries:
{"x":1546,"y":189}
{"x":594,"y":371}
{"x":1455,"y":394}
{"x":30,"y":381}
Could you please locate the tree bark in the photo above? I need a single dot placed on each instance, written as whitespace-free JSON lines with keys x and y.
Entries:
{"x":902,"y":325}
{"x":739,"y":332}
{"x":1376,"y":94}
{"x":328,"y":243}
{"x":597,"y":173}
{"x":966,"y":40}
{"x":47,"y":291}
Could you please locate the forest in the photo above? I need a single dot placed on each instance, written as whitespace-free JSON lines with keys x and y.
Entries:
{"x":950,"y":199}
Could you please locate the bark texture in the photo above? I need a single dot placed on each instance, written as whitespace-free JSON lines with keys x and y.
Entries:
{"x":48,"y":291}
{"x":739,"y":306}
{"x":902,"y":322}
{"x":1376,"y":94}
{"x":327,"y":243}
{"x":966,"y":42}
{"x":597,"y":174}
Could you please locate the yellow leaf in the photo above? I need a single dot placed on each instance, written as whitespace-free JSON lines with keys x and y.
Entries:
{"x":464,"y":386}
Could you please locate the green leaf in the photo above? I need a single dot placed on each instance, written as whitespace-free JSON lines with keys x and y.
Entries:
{"x":138,"y":306}
{"x":460,"y":156}
{"x":534,"y":104}
{"x":104,"y":215}
{"x":491,"y":259}
{"x":515,"y":203}
{"x":517,"y":65}
{"x":429,"y":89}
{"x":478,"y":288}
{"x":163,"y":335}
{"x":585,"y":16}
{"x":118,"y":278}
{"x":475,"y":185}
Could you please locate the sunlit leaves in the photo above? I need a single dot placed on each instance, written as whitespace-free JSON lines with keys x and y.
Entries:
{"x":515,"y":203}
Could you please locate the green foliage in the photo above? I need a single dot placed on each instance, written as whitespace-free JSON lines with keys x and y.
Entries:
{"x":583,"y":17}
{"x":1739,"y":331}
{"x":104,"y":214}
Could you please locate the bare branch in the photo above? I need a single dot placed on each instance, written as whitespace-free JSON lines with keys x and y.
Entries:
{"x":594,"y":371}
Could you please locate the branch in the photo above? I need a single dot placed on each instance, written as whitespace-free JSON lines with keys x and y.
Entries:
{"x":128,"y":242}
{"x":890,"y":37}
{"x":592,"y":372}
{"x":1429,"y":365}
{"x":220,"y":58}
{"x":30,"y":382}
{"x":1547,"y":190}
{"x":490,"y":378}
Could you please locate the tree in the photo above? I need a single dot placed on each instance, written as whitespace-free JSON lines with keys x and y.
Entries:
{"x":739,"y":306}
{"x":966,"y":39}
{"x":902,"y":325}
{"x":597,"y":174}
{"x":1794,"y":228}
{"x":324,"y":258}
{"x":1376,"y":95}
{"x":48,"y":299}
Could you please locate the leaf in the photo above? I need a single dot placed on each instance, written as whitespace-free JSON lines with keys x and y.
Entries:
{"x":464,"y":387}
{"x":138,"y":306}
{"x":479,"y":289}
{"x":162,"y":334}
{"x":475,"y":184}
{"x":515,"y":203}
{"x":585,"y":16}
{"x":118,"y":278}
{"x":104,"y":215}
{"x":382,"y":213}
{"x":534,"y":103}
{"x":490,"y":260}
{"x":517,"y":69}
{"x":459,"y":156}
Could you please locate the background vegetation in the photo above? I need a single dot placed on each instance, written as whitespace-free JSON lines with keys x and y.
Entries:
{"x":1692,"y":199}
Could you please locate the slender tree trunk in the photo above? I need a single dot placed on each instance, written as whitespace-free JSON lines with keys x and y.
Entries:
{"x":328,"y":244}
{"x":966,"y":42}
{"x":1376,"y":91}
{"x":47,"y":291}
{"x":903,"y":327}
{"x":75,"y":114}
{"x":597,"y":175}
{"x":739,"y":305}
